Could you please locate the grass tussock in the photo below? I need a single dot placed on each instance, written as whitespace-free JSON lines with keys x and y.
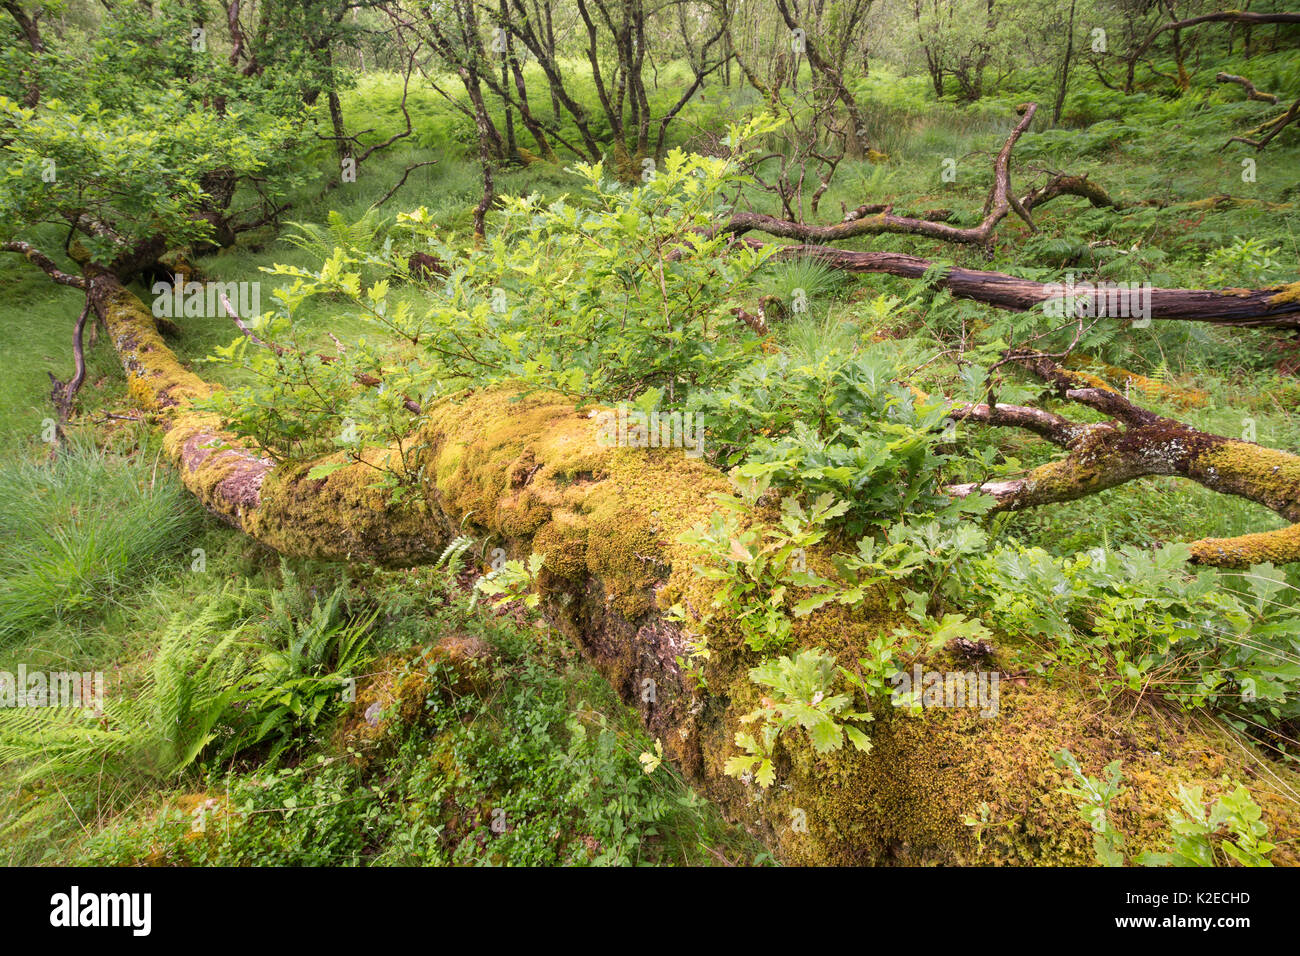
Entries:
{"x":77,"y":529}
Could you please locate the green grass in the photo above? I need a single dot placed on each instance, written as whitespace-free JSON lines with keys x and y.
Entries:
{"x":77,"y":531}
{"x":36,"y":338}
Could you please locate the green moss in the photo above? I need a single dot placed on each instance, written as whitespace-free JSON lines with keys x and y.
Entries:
{"x":1285,"y":294}
{"x":1151,"y":388}
{"x":564,"y":542}
{"x":155,"y":377}
{"x":905,"y":801}
{"x":1273,"y":476}
{"x":529,"y":472}
{"x":346,"y":516}
{"x":1276,"y":547}
{"x":1080,"y":379}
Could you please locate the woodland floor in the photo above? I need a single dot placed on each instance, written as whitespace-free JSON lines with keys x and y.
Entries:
{"x":541,"y":737}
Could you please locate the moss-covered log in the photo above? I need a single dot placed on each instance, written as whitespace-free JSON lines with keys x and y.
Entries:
{"x":528,"y":473}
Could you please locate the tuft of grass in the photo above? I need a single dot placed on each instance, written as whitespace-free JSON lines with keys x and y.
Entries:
{"x":809,"y":339}
{"x":817,"y":281}
{"x":75,"y":530}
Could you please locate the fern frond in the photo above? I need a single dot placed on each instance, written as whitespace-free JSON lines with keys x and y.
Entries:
{"x":453,"y":555}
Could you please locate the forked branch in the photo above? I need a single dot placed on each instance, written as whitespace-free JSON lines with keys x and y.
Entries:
{"x":1138,"y":443}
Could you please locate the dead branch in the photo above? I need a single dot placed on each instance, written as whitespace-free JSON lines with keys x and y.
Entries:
{"x":1226,"y":16}
{"x":406,"y":114}
{"x":1138,"y":443}
{"x":64,"y":394}
{"x":361,"y":378}
{"x":401,"y":182}
{"x":1267,"y":130}
{"x":876,"y":219}
{"x":759,"y":323}
{"x":804,"y":155}
{"x":1277,"y":307}
{"x":1251,"y":92}
{"x":755,"y":322}
{"x":44,"y":262}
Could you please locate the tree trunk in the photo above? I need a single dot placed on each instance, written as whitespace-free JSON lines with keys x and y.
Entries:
{"x":528,"y":473}
{"x":341,"y":142}
{"x":1065,"y":68}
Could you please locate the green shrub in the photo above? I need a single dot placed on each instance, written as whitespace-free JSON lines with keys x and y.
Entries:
{"x":843,"y":425}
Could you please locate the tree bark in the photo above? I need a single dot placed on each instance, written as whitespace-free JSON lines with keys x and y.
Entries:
{"x":1064,"y":87}
{"x":1277,"y":307}
{"x":1138,"y":443}
{"x":29,"y":26}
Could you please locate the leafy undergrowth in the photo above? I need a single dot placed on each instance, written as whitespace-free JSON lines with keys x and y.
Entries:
{"x":507,"y":750}
{"x":321,"y":722}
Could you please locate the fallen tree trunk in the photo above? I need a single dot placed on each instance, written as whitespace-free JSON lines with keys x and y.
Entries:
{"x":1277,"y":307}
{"x":530,"y":473}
